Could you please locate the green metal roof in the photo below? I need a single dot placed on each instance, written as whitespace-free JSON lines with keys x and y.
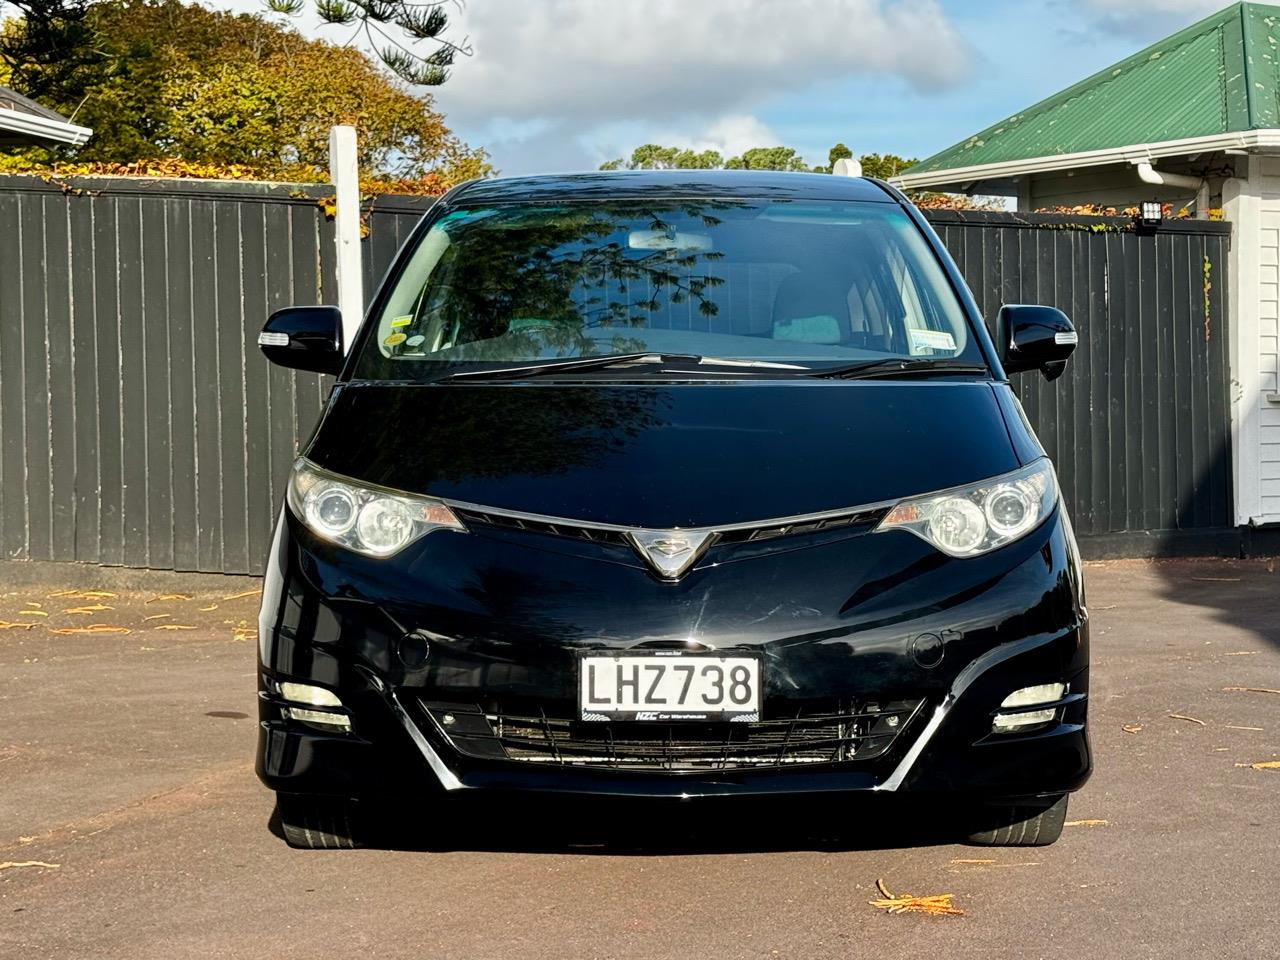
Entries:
{"x":1217,"y":76}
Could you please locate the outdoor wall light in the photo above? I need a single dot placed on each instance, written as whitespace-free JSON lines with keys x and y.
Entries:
{"x":1152,"y":213}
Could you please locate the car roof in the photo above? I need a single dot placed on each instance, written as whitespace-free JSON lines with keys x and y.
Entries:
{"x":639,"y":184}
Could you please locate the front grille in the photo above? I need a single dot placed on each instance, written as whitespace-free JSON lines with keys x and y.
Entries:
{"x":862,"y":518}
{"x":555,"y":528}
{"x":861,"y":731}
{"x":854,"y":519}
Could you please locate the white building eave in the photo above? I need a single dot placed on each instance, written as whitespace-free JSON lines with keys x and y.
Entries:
{"x":42,"y":128}
{"x":1136,"y":153}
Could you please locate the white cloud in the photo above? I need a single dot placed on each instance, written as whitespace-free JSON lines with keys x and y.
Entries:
{"x":597,"y":62}
{"x":1144,"y":19}
{"x":733,"y":134}
{"x":565,"y":84}
{"x":1193,"y":8}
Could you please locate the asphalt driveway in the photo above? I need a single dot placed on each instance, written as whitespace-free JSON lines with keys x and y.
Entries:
{"x":131,"y":824}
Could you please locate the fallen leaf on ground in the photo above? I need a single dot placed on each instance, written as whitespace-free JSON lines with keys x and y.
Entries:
{"x":1179,"y":716}
{"x":1217,"y":579}
{"x":168,"y":596}
{"x":84,"y":594}
{"x":157,"y":616}
{"x":1241,"y":653}
{"x":244,"y":631}
{"x":241,"y":596}
{"x":173,"y":626}
{"x":91,"y":628}
{"x":1249,"y":690}
{"x":26,"y":839}
{"x":1132,"y":728}
{"x":1262,"y":765}
{"x":972,"y":861}
{"x":1109,"y":606}
{"x":90,"y":608}
{"x":938,"y":905}
{"x":1087,"y":823}
{"x":32,"y":603}
{"x":9,"y":864}
{"x":32,"y":613}
{"x":212,"y":606}
{"x":7,"y":625}
{"x":1232,"y":726}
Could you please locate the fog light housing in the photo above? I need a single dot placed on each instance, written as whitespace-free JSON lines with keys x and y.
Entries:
{"x":336,"y":722}
{"x":311,"y":695}
{"x":1029,"y":697}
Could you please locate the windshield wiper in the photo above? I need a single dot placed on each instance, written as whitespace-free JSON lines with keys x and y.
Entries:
{"x":544,"y":368}
{"x":898,"y":367}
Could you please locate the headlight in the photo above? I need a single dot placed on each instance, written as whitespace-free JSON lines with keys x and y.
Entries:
{"x":968,"y":521}
{"x":369,"y":520}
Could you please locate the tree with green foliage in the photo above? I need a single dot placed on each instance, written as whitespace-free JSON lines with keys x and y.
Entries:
{"x":48,"y":45}
{"x":652,"y":156}
{"x":168,"y":79}
{"x":397,"y":29}
{"x":838,"y":152}
{"x":768,"y":158}
{"x":883,"y":166}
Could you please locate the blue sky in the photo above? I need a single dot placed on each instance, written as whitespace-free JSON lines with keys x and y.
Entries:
{"x":561,"y":85}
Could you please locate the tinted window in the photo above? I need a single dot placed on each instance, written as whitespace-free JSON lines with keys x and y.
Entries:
{"x":800,"y":281}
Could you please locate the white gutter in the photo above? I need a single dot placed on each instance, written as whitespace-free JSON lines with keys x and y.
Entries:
{"x":1149,"y":174}
{"x":1134,"y":153}
{"x":42,"y":128}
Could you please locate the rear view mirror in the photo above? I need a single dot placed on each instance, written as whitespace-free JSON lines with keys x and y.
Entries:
{"x":1034,"y":338}
{"x":304,"y":338}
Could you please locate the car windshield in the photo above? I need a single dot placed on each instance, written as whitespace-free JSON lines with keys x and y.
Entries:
{"x":805,"y":284}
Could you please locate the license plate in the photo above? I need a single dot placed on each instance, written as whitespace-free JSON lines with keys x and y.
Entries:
{"x":672,"y":685}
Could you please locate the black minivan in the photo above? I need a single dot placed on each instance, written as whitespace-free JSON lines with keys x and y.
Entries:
{"x":678,"y":484}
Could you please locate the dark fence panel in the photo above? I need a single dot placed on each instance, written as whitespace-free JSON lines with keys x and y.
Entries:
{"x":1139,"y":425}
{"x":139,"y":425}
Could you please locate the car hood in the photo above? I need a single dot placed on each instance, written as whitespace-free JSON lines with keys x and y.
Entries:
{"x":665,"y":455}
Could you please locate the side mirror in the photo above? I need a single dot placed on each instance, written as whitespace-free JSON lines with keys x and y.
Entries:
{"x":304,"y":338}
{"x":1034,"y":338}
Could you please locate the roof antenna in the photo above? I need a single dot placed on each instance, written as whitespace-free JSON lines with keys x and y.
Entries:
{"x":846,"y":167}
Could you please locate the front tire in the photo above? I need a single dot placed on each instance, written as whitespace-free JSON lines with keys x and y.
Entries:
{"x":318,"y":823}
{"x":1019,"y":824}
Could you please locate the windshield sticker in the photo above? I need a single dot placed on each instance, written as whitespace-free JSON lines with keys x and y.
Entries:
{"x":930,"y":340}
{"x":416,"y":340}
{"x":395,"y":340}
{"x":399,"y":322}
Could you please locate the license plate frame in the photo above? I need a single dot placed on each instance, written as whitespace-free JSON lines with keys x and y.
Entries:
{"x":697,"y":707}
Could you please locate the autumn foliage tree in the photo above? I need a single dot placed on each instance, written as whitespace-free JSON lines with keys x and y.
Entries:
{"x":177,"y":80}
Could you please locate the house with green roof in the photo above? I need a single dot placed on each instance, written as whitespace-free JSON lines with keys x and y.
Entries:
{"x":1193,"y":120}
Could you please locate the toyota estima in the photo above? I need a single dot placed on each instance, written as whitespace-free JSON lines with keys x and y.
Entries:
{"x":673,"y":485}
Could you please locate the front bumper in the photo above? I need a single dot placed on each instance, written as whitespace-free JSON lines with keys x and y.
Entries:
{"x":836,"y":619}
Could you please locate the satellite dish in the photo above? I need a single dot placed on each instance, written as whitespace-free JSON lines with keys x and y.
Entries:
{"x":847,"y":167}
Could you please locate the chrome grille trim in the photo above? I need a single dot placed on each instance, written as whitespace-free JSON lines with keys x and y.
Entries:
{"x":617,"y":534}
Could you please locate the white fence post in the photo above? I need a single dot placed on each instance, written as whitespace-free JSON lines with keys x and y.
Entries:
{"x":344,"y":171}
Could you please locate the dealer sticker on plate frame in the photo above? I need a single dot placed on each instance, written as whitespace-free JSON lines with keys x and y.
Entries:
{"x":669,"y":685}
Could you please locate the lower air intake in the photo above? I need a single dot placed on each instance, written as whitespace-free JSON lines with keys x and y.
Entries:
{"x":861,"y":731}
